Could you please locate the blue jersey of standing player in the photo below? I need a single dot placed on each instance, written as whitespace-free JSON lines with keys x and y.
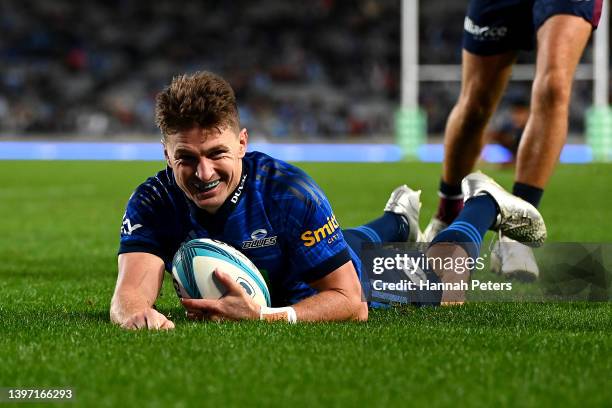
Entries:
{"x":497,"y":26}
{"x":277,"y":216}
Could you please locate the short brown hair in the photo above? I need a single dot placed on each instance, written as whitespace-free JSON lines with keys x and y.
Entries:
{"x":202,"y":99}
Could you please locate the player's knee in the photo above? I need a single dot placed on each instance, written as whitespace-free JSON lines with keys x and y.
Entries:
{"x":475,"y":109}
{"x":552,"y":90}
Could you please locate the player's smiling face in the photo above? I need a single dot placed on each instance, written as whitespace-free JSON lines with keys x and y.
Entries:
{"x":207,"y":163}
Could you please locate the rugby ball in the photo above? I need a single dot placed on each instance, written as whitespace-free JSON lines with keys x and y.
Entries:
{"x":195,"y":261}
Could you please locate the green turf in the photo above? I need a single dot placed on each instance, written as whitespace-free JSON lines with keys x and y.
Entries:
{"x":60,"y":225}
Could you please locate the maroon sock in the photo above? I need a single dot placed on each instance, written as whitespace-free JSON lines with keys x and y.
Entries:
{"x":449,"y":208}
{"x":451,"y":202}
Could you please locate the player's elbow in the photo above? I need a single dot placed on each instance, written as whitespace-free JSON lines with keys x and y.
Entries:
{"x":359,"y":308}
{"x":361,"y":311}
{"x":354,"y":308}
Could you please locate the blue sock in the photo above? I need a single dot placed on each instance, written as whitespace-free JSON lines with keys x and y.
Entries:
{"x":390,"y":227}
{"x":468,"y":229}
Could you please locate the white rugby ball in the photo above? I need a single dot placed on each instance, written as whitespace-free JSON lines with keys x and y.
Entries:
{"x":195,"y":261}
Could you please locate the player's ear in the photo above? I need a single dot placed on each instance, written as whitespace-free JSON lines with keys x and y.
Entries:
{"x":166,"y":154}
{"x":243,"y":138}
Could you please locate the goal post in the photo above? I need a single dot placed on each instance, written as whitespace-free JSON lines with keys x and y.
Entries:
{"x":410,"y":119}
{"x":599,"y":116}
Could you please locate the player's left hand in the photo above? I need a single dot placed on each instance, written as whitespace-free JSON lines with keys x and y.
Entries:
{"x":234,"y":305}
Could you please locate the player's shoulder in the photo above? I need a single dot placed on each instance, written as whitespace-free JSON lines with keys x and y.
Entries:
{"x":281,"y":180}
{"x":159,"y":189}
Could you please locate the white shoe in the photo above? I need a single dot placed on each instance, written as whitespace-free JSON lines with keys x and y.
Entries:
{"x":434,"y":227}
{"x":407,"y":203}
{"x":513,"y":260}
{"x":517,"y":219}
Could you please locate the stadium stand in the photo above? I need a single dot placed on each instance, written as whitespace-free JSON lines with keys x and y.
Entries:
{"x":302,"y":70}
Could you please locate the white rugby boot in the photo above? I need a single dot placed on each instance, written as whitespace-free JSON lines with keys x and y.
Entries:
{"x":434,"y":227}
{"x":517,"y":219}
{"x":511,"y":259}
{"x":407,"y":203}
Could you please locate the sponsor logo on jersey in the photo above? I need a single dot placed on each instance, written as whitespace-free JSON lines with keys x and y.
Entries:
{"x":238,"y":191}
{"x":259,"y":240}
{"x":326,"y":232}
{"x":127,"y":228}
{"x":486,"y":32}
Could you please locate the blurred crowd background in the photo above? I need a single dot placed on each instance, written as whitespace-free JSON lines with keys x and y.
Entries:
{"x":301,"y":69}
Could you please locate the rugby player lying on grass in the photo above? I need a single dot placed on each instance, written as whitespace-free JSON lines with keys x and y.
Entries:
{"x":212,"y":188}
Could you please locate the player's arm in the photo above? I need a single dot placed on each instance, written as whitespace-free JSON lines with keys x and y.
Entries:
{"x":138,"y":284}
{"x":339,"y":298}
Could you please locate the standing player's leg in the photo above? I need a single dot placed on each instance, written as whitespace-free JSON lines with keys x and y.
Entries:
{"x":561,"y":41}
{"x":483,"y":81}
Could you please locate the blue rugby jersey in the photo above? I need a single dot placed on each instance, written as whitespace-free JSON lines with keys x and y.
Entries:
{"x":277,"y":216}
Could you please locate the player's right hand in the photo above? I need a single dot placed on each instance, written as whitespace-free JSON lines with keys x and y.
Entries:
{"x":149,"y":319}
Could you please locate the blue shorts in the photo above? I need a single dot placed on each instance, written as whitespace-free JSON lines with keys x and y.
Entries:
{"x":497,"y":26}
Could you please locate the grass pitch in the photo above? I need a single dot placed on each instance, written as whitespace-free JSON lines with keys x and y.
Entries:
{"x":60,"y":226}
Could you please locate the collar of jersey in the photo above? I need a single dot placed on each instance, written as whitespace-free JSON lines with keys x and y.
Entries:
{"x":215,"y":223}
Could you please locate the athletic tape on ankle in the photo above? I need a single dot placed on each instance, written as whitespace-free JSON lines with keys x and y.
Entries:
{"x":278,"y":313}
